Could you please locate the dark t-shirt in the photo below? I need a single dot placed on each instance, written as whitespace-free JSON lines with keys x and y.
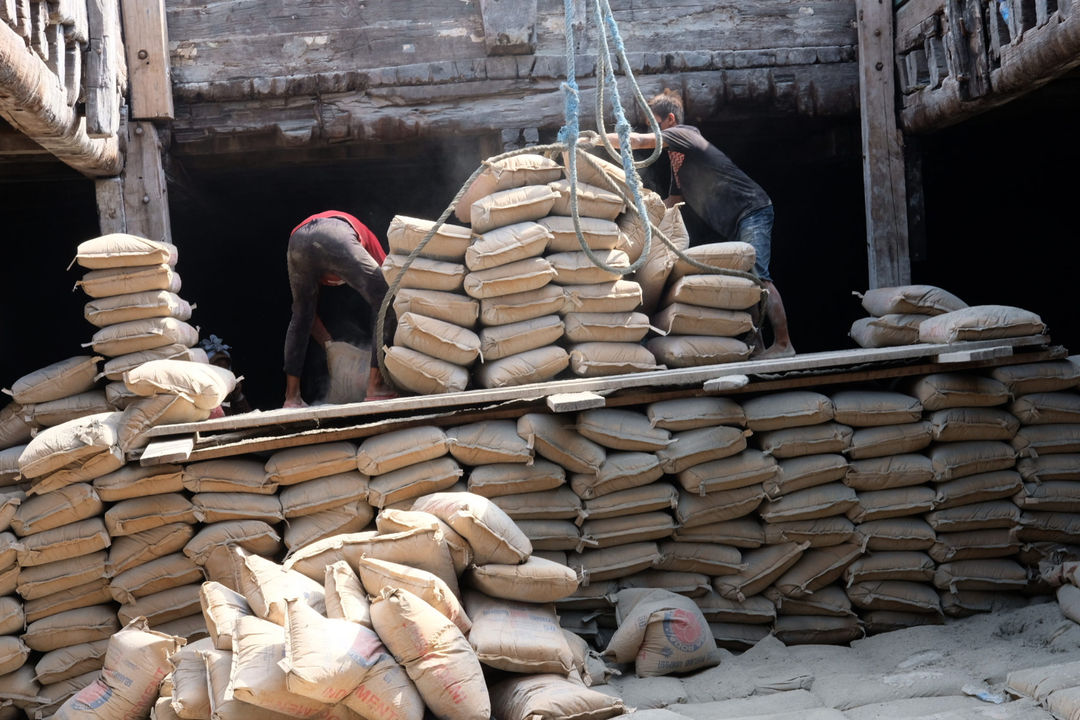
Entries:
{"x":713,"y":186}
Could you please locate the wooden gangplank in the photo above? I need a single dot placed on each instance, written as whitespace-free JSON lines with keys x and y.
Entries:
{"x":263,"y":431}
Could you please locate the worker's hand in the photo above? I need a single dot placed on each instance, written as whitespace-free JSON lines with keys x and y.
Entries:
{"x":296,"y":402}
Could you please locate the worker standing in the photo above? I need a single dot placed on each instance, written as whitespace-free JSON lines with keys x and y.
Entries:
{"x":723,"y":196}
{"x":330,"y":248}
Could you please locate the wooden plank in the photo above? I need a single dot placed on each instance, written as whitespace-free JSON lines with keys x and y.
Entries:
{"x":167,"y":451}
{"x":73,"y":77}
{"x":110,"y":204}
{"x":103,"y":89}
{"x":146,"y":202}
{"x":509,"y":26}
{"x":39,"y":22}
{"x":569,"y":402}
{"x":54,"y":35}
{"x":24,"y":25}
{"x":970,"y":355}
{"x":727,"y":383}
{"x":146,"y":43}
{"x":884,"y":192}
{"x":9,"y":13}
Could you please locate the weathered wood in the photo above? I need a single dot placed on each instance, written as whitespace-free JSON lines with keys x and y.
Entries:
{"x":146,"y":42}
{"x":54,"y":36}
{"x":569,"y":402}
{"x":970,"y":355}
{"x":509,"y":26}
{"x":73,"y":73}
{"x":33,"y":100}
{"x":9,"y":13}
{"x":13,"y":142}
{"x":146,"y":203}
{"x":39,"y":21}
{"x":110,"y":204}
{"x":883,"y":159}
{"x":103,"y":58}
{"x":24,"y":24}
{"x":726,"y":383}
{"x":167,"y":451}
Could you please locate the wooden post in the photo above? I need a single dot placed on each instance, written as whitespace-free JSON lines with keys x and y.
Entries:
{"x":103,"y":68}
{"x":146,"y":42}
{"x":146,"y":201}
{"x":509,"y":26}
{"x":8,"y":12}
{"x":884,"y":193}
{"x":110,"y":202}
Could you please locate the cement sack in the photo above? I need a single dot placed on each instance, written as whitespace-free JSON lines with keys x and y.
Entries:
{"x":817,"y":630}
{"x":798,"y":473}
{"x":67,"y":505}
{"x":448,"y":242}
{"x":43,"y":580}
{"x":267,"y":585}
{"x":875,"y":622}
{"x":594,"y":566}
{"x":916,"y":299}
{"x":435,"y":654}
{"x":164,"y":573}
{"x":492,"y":535}
{"x":518,"y":307}
{"x":892,"y":503}
{"x":654,"y":273}
{"x":896,"y":534}
{"x":891,"y":471}
{"x":588,"y":663}
{"x":1068,"y":597}
{"x":988,"y":575}
{"x":647,"y":498}
{"x":15,"y":430}
{"x":413,"y":481}
{"x":132,"y":550}
{"x":345,"y":598}
{"x":19,"y":686}
{"x":296,"y":465}
{"x":752,"y":610}
{"x":507,"y":244}
{"x":393,"y":450}
{"x":163,"y":606}
{"x":734,"y":255}
{"x":114,"y":368}
{"x":597,"y":596}
{"x":144,"y":414}
{"x":619,"y":471}
{"x":827,"y":437}
{"x":747,"y":532}
{"x":488,"y":442}
{"x":694,"y":447}
{"x":332,"y":661}
{"x":599,"y":234}
{"x":817,"y":502}
{"x":939,"y":391}
{"x":375,"y":575}
{"x":1035,"y":440}
{"x":517,"y":636}
{"x":599,"y":171}
{"x":1064,"y":703}
{"x":886,"y":331}
{"x":221,"y":607}
{"x":9,"y":476}
{"x":57,"y":380}
{"x":1056,"y":466}
{"x":511,"y":172}
{"x":683,"y":583}
{"x":682,"y":319}
{"x":118,"y":395}
{"x":422,"y":373}
{"x":976,"y":516}
{"x":735,"y":637}
{"x":107,"y":282}
{"x":1038,"y":683}
{"x":218,"y":667}
{"x":421,"y":547}
{"x":555,"y":439}
{"x":504,"y":340}
{"x":71,"y":628}
{"x":763,"y":566}
{"x":510,"y":279}
{"x":69,"y":445}
{"x":830,"y":601}
{"x":899,"y":565}
{"x":221,"y":507}
{"x":895,"y":595}
{"x":9,"y":578}
{"x":981,"y":322}
{"x":551,"y":697}
{"x":593,"y":201}
{"x":123,"y":250}
{"x":348,"y":367}
{"x":975,"y":544}
{"x":506,"y":207}
{"x":966,"y":424}
{"x":793,"y":408}
{"x":977,"y":488}
{"x":662,"y":633}
{"x":394,"y":521}
{"x":451,"y":307}
{"x":203,"y":385}
{"x":961,"y":459}
{"x":54,"y":412}
{"x":138,"y":335}
{"x":1038,"y":377}
{"x":696,"y":350}
{"x":136,"y":661}
{"x":190,"y":699}
{"x":629,"y":529}
{"x":889,"y":440}
{"x":12,"y":617}
{"x":76,"y":539}
{"x":578,"y":268}
{"x":320,"y":494}
{"x":598,"y":359}
{"x":557,"y":504}
{"x":552,"y":536}
{"x":191,"y":628}
{"x":536,"y":580}
{"x":725,"y":292}
{"x":627,"y":327}
{"x":617,"y":296}
{"x":437,"y":338}
{"x":82,"y":470}
{"x":621,"y":430}
{"x":136,"y":306}
{"x":257,"y":678}
{"x":68,"y":662}
{"x":532,"y":366}
{"x":138,"y":514}
{"x":94,"y":592}
{"x":696,"y":510}
{"x":423,"y":273}
{"x":699,"y":557}
{"x":1050,"y":496}
{"x":10,"y":501}
{"x":816,"y":569}
{"x":869,"y":408}
{"x":1043,"y":408}
{"x":254,"y":536}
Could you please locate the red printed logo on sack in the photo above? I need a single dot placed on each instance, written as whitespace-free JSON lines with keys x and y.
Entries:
{"x":683,"y":630}
{"x":92,"y":696}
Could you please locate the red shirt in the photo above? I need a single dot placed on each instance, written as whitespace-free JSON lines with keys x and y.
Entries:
{"x":366,"y":238}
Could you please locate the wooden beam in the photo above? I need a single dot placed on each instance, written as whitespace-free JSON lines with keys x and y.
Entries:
{"x":9,"y":13}
{"x":509,"y":26}
{"x":110,"y":203}
{"x":884,"y":192}
{"x":104,"y":58}
{"x":146,"y":202}
{"x":146,"y":41}
{"x":34,"y":101}
{"x":13,"y":142}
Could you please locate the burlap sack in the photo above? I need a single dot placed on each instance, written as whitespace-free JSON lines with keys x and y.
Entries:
{"x":918,"y":299}
{"x":896,"y":534}
{"x":619,"y":471}
{"x":592,"y":200}
{"x":391,"y":521}
{"x":898,"y":565}
{"x":891,"y":503}
{"x":123,"y":250}
{"x":503,"y":341}
{"x":617,"y":296}
{"x":662,"y":632}
{"x":558,"y":504}
{"x":549,"y":697}
{"x":423,"y":273}
{"x":965,"y":424}
{"x":220,"y":608}
{"x":448,"y":242}
{"x":531,"y":366}
{"x":125,"y":280}
{"x":507,"y":244}
{"x":518,"y":307}
{"x":422,"y":373}
{"x":974,"y":544}
{"x":516,"y":277}
{"x":1042,"y":408}
{"x":377,"y":575}
{"x":938,"y":391}
{"x":715,"y":291}
{"x":763,"y":566}
{"x":697,"y":350}
{"x":886,"y":331}
{"x":505,"y":174}
{"x":517,"y":636}
{"x":578,"y":268}
{"x":890,"y":471}
{"x":57,"y":380}
{"x":536,"y":580}
{"x":438,"y":304}
{"x":294,"y":465}
{"x":136,"y":306}
{"x":981,"y":322}
{"x":827,"y":437}
{"x":164,"y":573}
{"x":437,"y":338}
{"x":599,"y":234}
{"x":492,"y":535}
{"x":819,"y":532}
{"x":800,"y":473}
{"x":66,"y":505}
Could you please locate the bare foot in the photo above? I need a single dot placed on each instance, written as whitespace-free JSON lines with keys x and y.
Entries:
{"x":294,"y":403}
{"x":776,"y":351}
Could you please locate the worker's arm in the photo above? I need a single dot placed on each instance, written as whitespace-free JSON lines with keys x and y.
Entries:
{"x":673,"y":200}
{"x":319,"y":333}
{"x":638,"y":141}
